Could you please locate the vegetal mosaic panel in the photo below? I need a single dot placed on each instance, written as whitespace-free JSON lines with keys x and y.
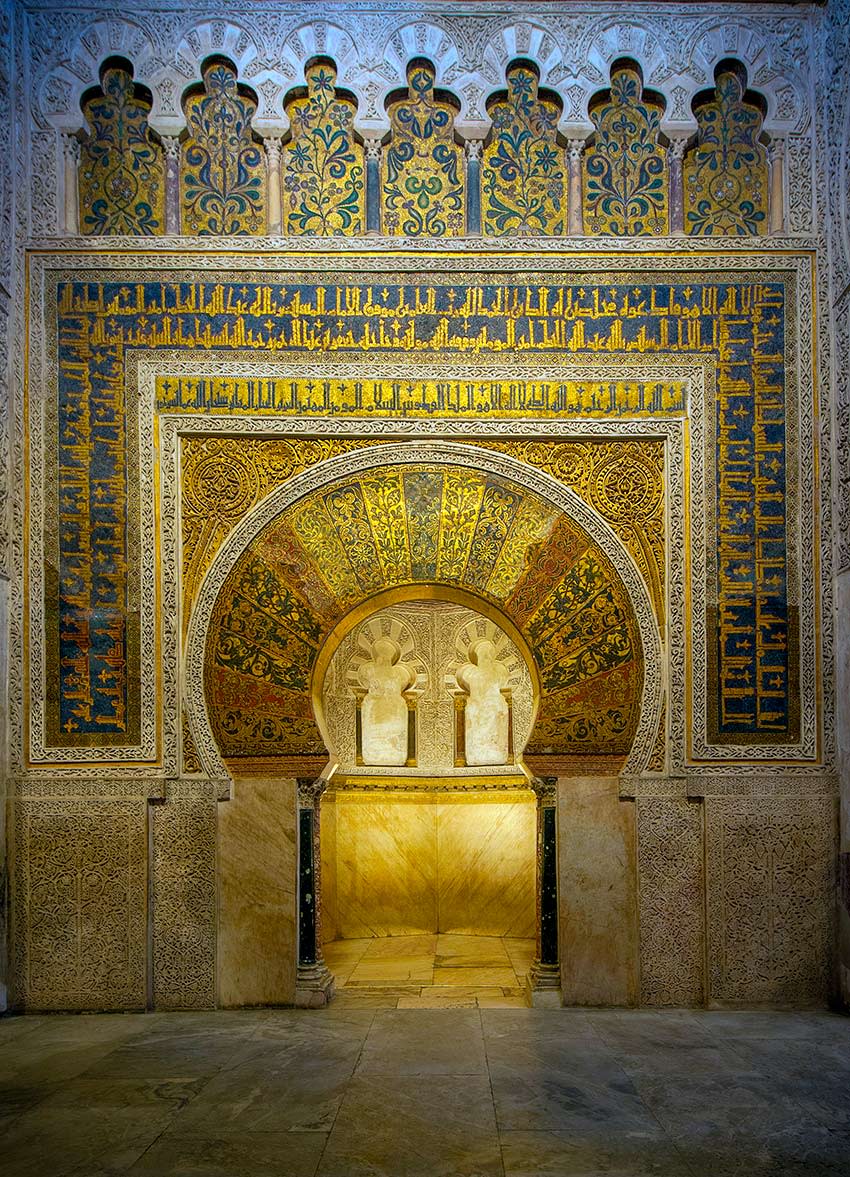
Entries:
{"x":734,"y":321}
{"x":625,"y":171}
{"x":523,"y":177}
{"x":365,"y":534}
{"x":726,"y":174}
{"x":222,"y":170}
{"x":121,"y":169}
{"x":422,"y":169}
{"x":322,"y":166}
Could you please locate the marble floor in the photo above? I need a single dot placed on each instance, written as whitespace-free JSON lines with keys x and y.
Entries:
{"x":431,"y":972}
{"x":348,"y":1092}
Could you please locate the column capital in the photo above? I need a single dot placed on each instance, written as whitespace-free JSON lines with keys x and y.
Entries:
{"x":546,"y":788}
{"x":70,"y":147}
{"x":473,"y":148}
{"x":776,"y":148}
{"x":372,"y":146}
{"x":171,"y":147}
{"x":575,"y":149}
{"x":272,"y":148}
{"x":678,"y":145}
{"x":310,"y":791}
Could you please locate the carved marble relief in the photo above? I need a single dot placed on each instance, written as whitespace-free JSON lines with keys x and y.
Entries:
{"x":457,"y":693}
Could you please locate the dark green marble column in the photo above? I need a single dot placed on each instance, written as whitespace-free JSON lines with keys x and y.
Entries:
{"x":314,"y":984}
{"x":545,"y":974}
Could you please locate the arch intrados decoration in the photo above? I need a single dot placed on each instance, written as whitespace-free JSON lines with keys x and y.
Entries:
{"x":422,"y":452}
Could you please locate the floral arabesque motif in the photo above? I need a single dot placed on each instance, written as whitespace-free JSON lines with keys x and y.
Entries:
{"x":726,"y":174}
{"x":323,"y":164}
{"x":523,"y":177}
{"x":625,"y":177}
{"x":423,"y":191}
{"x":122,"y":175}
{"x":223,"y":177}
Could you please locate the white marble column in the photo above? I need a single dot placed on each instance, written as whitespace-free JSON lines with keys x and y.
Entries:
{"x":275,"y":209}
{"x":71,"y":158}
{"x":575,"y":223}
{"x":776,"y":204}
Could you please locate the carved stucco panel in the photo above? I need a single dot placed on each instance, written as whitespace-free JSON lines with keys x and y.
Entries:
{"x":770,"y":864}
{"x":184,"y":903}
{"x":80,"y":903}
{"x":671,"y":901}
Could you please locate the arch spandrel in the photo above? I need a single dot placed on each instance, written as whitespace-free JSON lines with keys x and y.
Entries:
{"x":396,"y":524}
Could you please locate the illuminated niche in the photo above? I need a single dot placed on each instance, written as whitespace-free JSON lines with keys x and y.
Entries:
{"x":427,"y":688}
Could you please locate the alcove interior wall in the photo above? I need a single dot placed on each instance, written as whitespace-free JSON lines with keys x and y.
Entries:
{"x":407,"y":863}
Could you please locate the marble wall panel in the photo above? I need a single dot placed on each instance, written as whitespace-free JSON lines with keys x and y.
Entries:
{"x":386,"y":868}
{"x":400,"y":864}
{"x":597,"y":886}
{"x":80,"y":903}
{"x":486,"y":863}
{"x":183,"y":904}
{"x":671,"y":901}
{"x":770,"y":876}
{"x":257,"y":893}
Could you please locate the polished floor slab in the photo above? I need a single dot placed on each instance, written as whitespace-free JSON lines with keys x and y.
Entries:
{"x":442,"y":971}
{"x":470,"y":1092}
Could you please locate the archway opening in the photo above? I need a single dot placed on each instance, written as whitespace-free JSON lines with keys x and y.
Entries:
{"x":428,"y":827}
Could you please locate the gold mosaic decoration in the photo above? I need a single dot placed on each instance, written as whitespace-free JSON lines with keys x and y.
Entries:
{"x":624,"y":168}
{"x":523,"y":177}
{"x":122,"y":172}
{"x":422,"y":524}
{"x":422,"y":170}
{"x":322,"y":165}
{"x":222,"y":170}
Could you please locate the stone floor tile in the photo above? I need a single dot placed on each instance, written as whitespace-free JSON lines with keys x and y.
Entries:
{"x":380,"y":947}
{"x":400,"y":1126}
{"x":424,"y":1042}
{"x":483,"y":977}
{"x":263,"y":1097}
{"x":58,"y":1142}
{"x":506,"y":1001}
{"x":431,"y":1001}
{"x":531,"y":1025}
{"x":392,"y":970}
{"x":250,"y":1154}
{"x":548,"y":1098}
{"x":634,"y":1153}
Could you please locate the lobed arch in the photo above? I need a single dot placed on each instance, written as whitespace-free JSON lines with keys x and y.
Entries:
{"x":559,"y":543}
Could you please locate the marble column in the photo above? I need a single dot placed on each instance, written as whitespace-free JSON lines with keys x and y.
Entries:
{"x":275,"y":209}
{"x":373,"y":186}
{"x":575,"y":224}
{"x":473,"y":187}
{"x":71,"y":159}
{"x":544,"y":978}
{"x":776,"y":205}
{"x":171,"y":144}
{"x":314,"y":983}
{"x":675,"y":160}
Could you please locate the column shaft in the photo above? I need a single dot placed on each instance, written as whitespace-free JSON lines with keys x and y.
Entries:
{"x":575,"y":225}
{"x":314,"y":985}
{"x":172,"y":184}
{"x":71,"y":160}
{"x":545,"y":974}
{"x":373,"y":187}
{"x":473,"y":187}
{"x":675,"y":160}
{"x":275,"y":209}
{"x":777,"y":186}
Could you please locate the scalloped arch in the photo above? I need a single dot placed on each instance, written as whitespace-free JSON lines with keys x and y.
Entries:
{"x":554,"y":553}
